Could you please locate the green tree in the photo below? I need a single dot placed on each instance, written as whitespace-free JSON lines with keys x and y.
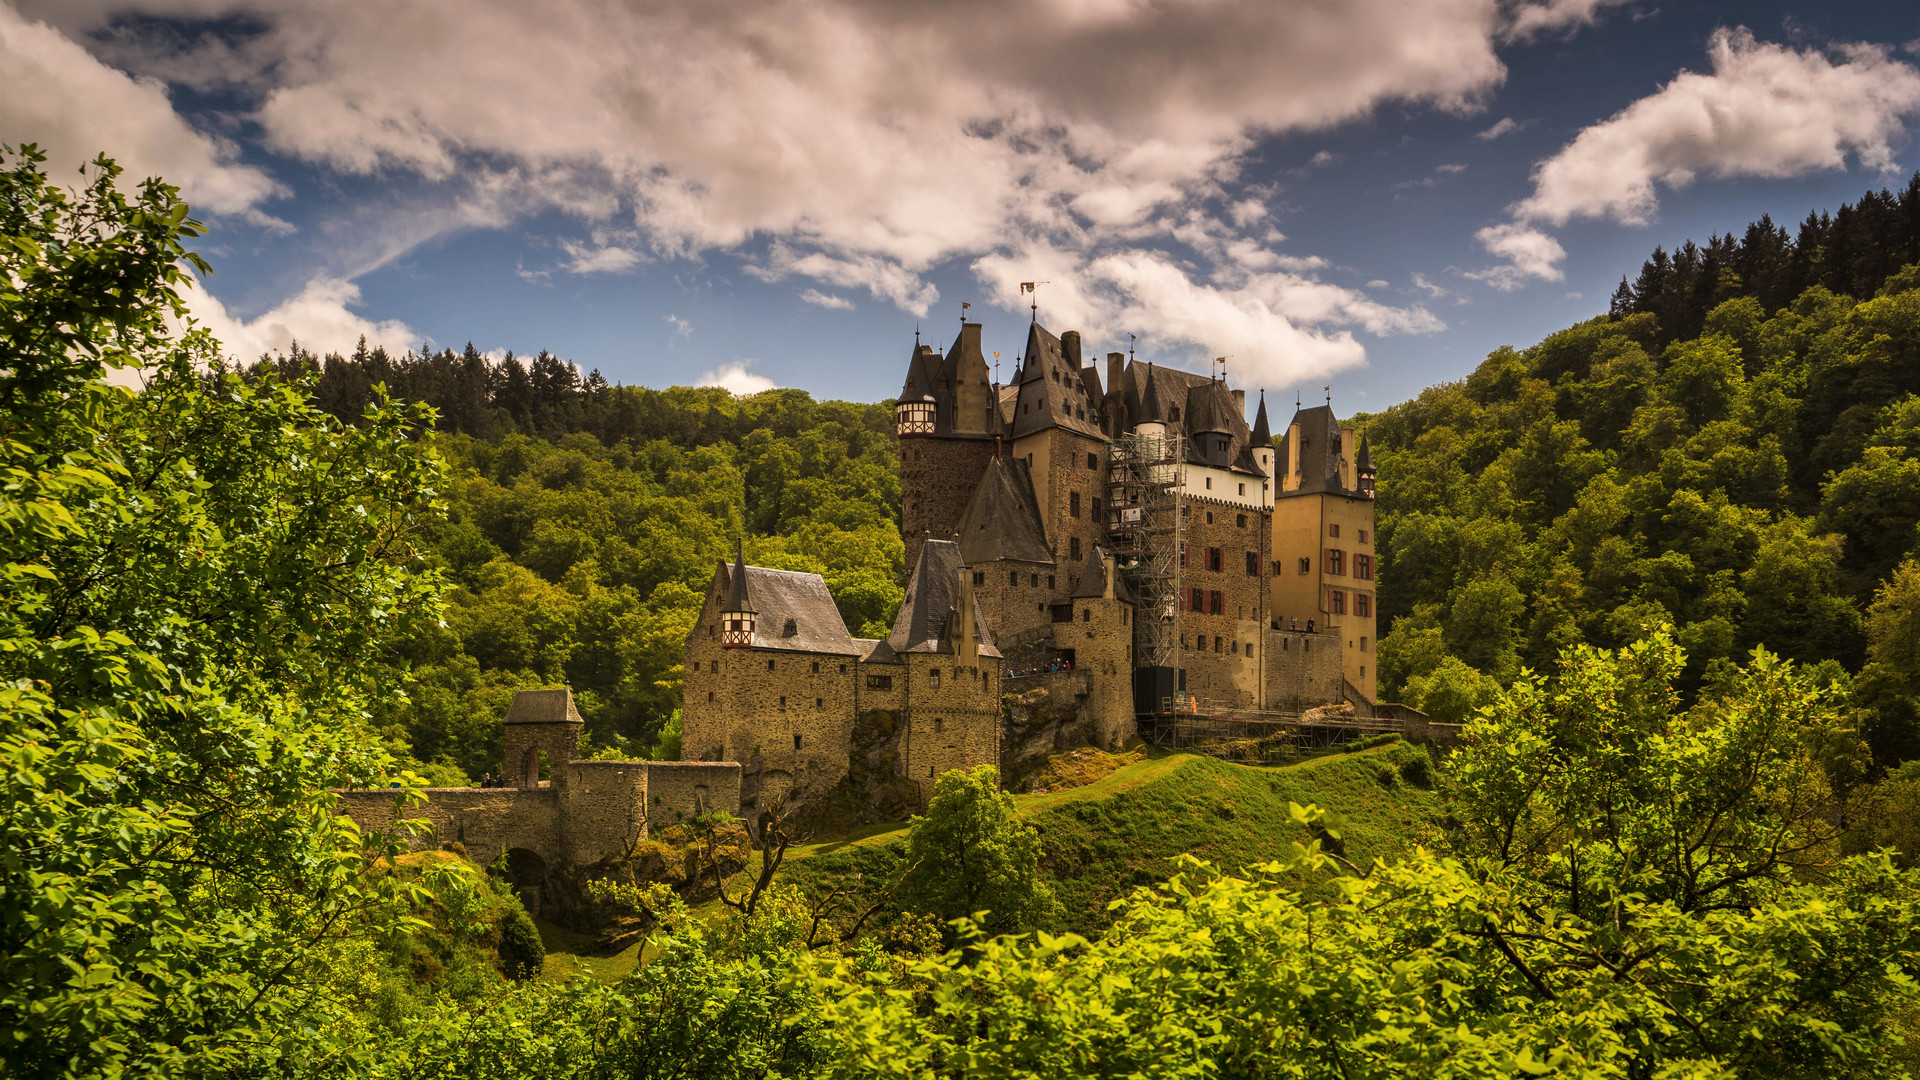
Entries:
{"x":199,"y":578}
{"x":971,"y":853}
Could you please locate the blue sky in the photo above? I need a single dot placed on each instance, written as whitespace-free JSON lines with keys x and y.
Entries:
{"x":1367,"y":195}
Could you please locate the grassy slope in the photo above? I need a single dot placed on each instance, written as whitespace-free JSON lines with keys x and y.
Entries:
{"x":1125,"y":829}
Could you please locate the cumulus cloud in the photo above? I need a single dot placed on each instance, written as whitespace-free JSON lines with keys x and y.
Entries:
{"x":1089,"y":129}
{"x":1529,"y":252}
{"x":1764,"y":110}
{"x":75,"y":107}
{"x":736,"y":379}
{"x":826,"y":300}
{"x":318,"y":318}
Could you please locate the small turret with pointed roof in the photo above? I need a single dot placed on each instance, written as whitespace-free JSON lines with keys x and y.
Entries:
{"x":737,"y":617}
{"x":1262,"y":436}
{"x":1150,"y":400}
{"x":1363,"y":466}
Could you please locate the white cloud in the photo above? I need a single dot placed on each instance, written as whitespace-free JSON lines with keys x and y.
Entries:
{"x":1450,"y":170}
{"x":737,"y":380}
{"x":1420,"y":282}
{"x":680,"y":326}
{"x":1506,"y":125}
{"x":1378,"y":283}
{"x":1765,"y":110}
{"x":603,"y":259}
{"x":318,"y":318}
{"x":1529,"y":252}
{"x":826,"y":300}
{"x":74,"y":107}
{"x":1086,"y":128}
{"x":1531,"y":20}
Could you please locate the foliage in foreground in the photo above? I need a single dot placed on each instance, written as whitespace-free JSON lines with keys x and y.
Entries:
{"x":1636,"y":891}
{"x":196,"y":578}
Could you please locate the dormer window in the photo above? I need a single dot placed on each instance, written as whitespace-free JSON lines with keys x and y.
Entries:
{"x":792,"y":628}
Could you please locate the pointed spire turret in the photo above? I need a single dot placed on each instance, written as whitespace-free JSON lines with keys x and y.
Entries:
{"x":1363,"y":466}
{"x":1150,"y":400}
{"x":737,"y":616}
{"x":1262,"y":434}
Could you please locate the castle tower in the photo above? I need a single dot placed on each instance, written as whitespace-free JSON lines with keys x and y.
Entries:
{"x":540,"y":721}
{"x":947,"y":420}
{"x":1323,"y":550}
{"x":737,"y":616}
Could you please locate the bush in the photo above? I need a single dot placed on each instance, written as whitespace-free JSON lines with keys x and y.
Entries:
{"x":521,"y":953}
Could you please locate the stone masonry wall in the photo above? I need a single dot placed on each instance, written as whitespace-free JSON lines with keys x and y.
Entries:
{"x":954,"y":725}
{"x":937,"y":478}
{"x":1101,"y":637}
{"x":603,"y":809}
{"x":1220,"y":651}
{"x":1015,"y":599}
{"x":486,"y":821}
{"x":1303,"y":670}
{"x":680,"y":790}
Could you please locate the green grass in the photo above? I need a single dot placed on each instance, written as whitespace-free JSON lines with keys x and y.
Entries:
{"x":1125,"y":830}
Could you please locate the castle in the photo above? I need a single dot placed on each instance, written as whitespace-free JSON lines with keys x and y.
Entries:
{"x":1132,"y":544}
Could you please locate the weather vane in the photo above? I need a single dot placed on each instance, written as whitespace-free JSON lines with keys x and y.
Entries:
{"x":1034,"y":288}
{"x":963,"y":312}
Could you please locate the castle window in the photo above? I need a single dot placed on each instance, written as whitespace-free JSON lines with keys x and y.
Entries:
{"x":933,"y":679}
{"x":709,"y":697}
{"x":816,"y":667}
{"x":1209,"y":517}
{"x":1029,"y":461}
{"x":1086,"y":614}
{"x":1241,"y":521}
{"x":1234,"y":648}
{"x":929,"y":772}
{"x":1243,"y":517}
{"x":1306,"y":565}
{"x":770,"y":667}
{"x":1176,"y":413}
{"x":1363,"y":566}
{"x":1213,"y":559}
{"x":1073,"y":548}
{"x":1042,"y":605}
{"x":1096,"y":507}
{"x":783,"y":701}
{"x":1253,"y":564}
{"x":979,"y":577}
{"x":1033,"y":580}
{"x":1216,"y":643}
{"x":843,"y":669}
{"x":1013,"y":577}
{"x":713,"y":631}
{"x":1336,"y":561}
{"x":1217,"y":603}
{"x":879,"y":682}
{"x":1363,"y":605}
{"x":796,"y":740}
{"x":819,"y":703}
{"x":1092,"y":462}
{"x":1336,"y":602}
{"x":1050,"y":578}
{"x":1363,"y":536}
{"x":939,"y":725}
{"x":1073,"y":504}
{"x":1183,"y":553}
{"x":1199,"y":600}
{"x":1209,"y":483}
{"x":1363,"y":637}
{"x":1276,"y":568}
{"x":1333,"y":531}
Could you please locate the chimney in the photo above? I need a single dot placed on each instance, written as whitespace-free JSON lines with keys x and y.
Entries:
{"x":1240,"y":403}
{"x":1116,"y":367}
{"x":1070,"y":347}
{"x":969,"y":339}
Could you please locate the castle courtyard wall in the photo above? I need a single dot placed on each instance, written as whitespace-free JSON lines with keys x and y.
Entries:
{"x":486,"y":821}
{"x":679,"y":791}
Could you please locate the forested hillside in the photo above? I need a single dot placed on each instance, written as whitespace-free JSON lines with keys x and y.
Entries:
{"x":1748,"y":471}
{"x":584,"y":520}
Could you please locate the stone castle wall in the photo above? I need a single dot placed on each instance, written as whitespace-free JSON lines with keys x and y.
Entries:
{"x":1309,"y":662}
{"x":486,"y":821}
{"x":603,"y":808}
{"x":678,"y":791}
{"x":952,"y":725}
{"x":1221,"y":651}
{"x":937,"y":478}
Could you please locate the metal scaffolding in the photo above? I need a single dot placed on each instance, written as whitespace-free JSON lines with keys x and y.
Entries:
{"x":1146,"y":491}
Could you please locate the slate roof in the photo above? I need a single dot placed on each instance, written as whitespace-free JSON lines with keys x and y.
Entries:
{"x":739,"y":598}
{"x":1195,"y":404}
{"x":786,"y":597}
{"x":1262,"y":435}
{"x":1320,"y":450}
{"x":935,"y":376}
{"x":1093,"y":580}
{"x":543,"y":707}
{"x":1003,"y":519}
{"x":1363,"y":459}
{"x":932,"y":602}
{"x":1055,"y":391}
